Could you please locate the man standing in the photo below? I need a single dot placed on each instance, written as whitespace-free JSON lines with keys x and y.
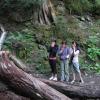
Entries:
{"x":52,"y":59}
{"x":64,"y":55}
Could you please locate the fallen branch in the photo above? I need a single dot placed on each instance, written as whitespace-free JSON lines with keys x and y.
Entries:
{"x":18,"y":63}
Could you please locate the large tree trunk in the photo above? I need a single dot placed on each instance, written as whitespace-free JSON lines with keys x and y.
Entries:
{"x":46,"y":14}
{"x":81,"y":91}
{"x":26,"y":83}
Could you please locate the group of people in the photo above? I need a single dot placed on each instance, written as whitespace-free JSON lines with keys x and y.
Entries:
{"x":69,"y":58}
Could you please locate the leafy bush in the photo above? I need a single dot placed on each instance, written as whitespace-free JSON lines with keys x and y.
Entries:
{"x":93,"y":53}
{"x":32,"y":53}
{"x":60,"y":28}
{"x":20,"y":43}
{"x":96,"y":7}
{"x":78,"y":6}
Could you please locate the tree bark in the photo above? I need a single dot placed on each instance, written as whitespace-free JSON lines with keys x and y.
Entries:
{"x":26,"y":83}
{"x":46,"y":14}
{"x":3,"y":35}
{"x":18,"y":63}
{"x":8,"y":95}
{"x":81,"y":91}
{"x":71,"y":90}
{"x":85,"y":90}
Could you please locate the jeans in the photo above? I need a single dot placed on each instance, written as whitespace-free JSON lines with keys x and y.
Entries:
{"x":64,"y":70}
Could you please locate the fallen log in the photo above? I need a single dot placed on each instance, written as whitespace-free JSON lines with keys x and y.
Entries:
{"x":8,"y":95}
{"x":26,"y":83}
{"x":72,"y":90}
{"x":81,"y":91}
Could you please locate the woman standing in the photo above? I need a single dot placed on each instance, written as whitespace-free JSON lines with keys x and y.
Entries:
{"x":75,"y":61}
{"x":64,"y":55}
{"x":52,"y":59}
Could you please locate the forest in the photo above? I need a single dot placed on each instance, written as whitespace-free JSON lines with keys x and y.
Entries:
{"x":27,"y":28}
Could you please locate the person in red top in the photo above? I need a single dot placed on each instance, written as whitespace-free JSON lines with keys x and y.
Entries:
{"x":52,"y":59}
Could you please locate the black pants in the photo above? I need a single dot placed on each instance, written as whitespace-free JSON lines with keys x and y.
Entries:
{"x":53,"y":66}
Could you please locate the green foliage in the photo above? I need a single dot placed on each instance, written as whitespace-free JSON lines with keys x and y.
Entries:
{"x":92,"y":67}
{"x":83,"y":6}
{"x":29,"y":51}
{"x":43,"y":35}
{"x":96,"y":7}
{"x":78,"y":6}
{"x":42,"y":62}
{"x":93,"y":53}
{"x":20,"y":43}
{"x":60,"y":29}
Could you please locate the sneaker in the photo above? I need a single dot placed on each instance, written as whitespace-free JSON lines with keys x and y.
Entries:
{"x":82,"y":81}
{"x":72,"y":81}
{"x":55,"y":78}
{"x":51,"y":78}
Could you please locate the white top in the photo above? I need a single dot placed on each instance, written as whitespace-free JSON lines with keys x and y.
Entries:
{"x":76,"y":54}
{"x":75,"y":58}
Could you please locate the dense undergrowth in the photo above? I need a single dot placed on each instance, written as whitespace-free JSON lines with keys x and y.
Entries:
{"x":73,"y":22}
{"x":31,"y":43}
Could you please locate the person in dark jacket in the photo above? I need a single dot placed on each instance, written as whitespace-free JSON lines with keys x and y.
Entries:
{"x":52,"y":59}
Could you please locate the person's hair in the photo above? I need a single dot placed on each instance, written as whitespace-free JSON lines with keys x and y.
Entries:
{"x":64,"y":42}
{"x":77,"y":45}
{"x":53,"y":41}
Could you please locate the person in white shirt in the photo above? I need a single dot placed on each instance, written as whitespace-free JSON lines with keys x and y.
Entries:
{"x":75,"y":61}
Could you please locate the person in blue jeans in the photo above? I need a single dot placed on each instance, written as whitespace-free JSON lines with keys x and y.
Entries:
{"x":63,"y":52}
